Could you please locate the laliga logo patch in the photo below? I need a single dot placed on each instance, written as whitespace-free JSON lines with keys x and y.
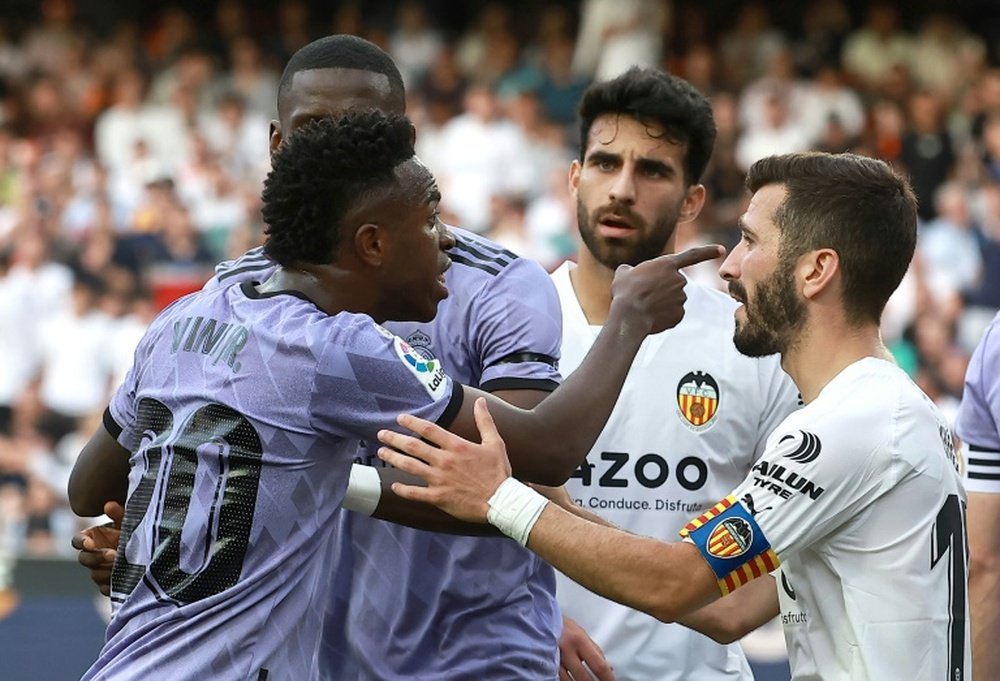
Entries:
{"x":730,"y":538}
{"x":429,"y":372}
{"x":698,"y":398}
{"x":806,"y":451}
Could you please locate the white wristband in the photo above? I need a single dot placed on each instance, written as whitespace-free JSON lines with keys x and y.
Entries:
{"x":514,"y":509}
{"x":364,"y":489}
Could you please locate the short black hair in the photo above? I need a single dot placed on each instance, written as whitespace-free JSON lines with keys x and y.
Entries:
{"x":344,"y":51}
{"x":320,"y":172}
{"x":857,"y":206}
{"x":653,"y":97}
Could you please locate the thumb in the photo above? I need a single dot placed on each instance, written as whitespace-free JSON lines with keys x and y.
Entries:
{"x":115,"y":511}
{"x":488,"y":433}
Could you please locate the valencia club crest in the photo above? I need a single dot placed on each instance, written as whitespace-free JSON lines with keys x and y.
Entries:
{"x":698,"y":398}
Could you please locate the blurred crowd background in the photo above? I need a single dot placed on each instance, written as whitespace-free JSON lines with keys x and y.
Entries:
{"x":134,"y":141}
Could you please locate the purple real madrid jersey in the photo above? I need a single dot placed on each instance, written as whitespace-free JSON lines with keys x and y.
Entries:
{"x":424,"y":605}
{"x":243,"y":412}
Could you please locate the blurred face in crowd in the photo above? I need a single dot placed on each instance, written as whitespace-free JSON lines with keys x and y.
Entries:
{"x":630,"y":191}
{"x":760,"y":279}
{"x":324,"y":93}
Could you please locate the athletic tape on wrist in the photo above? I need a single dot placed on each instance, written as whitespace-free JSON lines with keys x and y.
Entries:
{"x":364,"y":489}
{"x":514,"y":509}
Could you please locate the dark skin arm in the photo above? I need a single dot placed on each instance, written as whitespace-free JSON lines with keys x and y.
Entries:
{"x":545,"y":444}
{"x":426,"y":517}
{"x":99,"y":475}
{"x":546,"y":441}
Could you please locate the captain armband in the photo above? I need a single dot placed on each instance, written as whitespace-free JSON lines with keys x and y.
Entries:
{"x":732,"y":543}
{"x":364,"y":489}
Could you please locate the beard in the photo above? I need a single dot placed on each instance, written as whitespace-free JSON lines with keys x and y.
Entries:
{"x":772,"y":324}
{"x":649,"y":243}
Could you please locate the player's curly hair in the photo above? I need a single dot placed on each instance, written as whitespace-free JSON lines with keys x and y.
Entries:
{"x":658,"y":98}
{"x":320,"y":172}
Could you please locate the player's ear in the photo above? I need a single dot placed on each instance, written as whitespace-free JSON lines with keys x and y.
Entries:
{"x":694,"y":201}
{"x":275,"y":136}
{"x":574,"y":177}
{"x":818,"y":271}
{"x":370,"y":243}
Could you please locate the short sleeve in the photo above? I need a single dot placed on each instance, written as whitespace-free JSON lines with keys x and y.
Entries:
{"x":807,"y":483}
{"x":122,"y":413}
{"x":366,"y":376}
{"x":978,"y":419}
{"x":516,"y":329}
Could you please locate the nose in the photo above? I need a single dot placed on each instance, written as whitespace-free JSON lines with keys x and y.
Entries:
{"x":730,"y":270}
{"x":622,"y":189}
{"x":446,"y":237}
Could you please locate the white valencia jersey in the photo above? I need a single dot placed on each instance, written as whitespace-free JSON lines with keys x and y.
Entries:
{"x":859,"y":496}
{"x":691,"y":420}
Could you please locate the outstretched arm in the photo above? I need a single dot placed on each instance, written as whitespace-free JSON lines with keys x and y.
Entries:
{"x":726,"y":620}
{"x":667,"y":581}
{"x":547,"y":443}
{"x":734,"y":616}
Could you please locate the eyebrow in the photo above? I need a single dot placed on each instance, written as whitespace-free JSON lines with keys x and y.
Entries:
{"x":742,"y":224}
{"x":653,"y":164}
{"x":644,"y":164}
{"x":598,"y":156}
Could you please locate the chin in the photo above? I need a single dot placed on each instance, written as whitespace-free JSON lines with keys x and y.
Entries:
{"x":754,"y":346}
{"x":429,"y":313}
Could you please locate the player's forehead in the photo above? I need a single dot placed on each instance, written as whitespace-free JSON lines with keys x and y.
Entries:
{"x":319,"y":93}
{"x":623,"y":134}
{"x":416,"y":182}
{"x":759,"y":215}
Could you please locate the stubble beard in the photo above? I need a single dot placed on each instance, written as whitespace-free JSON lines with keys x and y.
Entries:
{"x":614,"y":252}
{"x":772,"y":324}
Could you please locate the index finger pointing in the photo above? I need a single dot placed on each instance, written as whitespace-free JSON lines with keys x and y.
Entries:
{"x":693,"y":256}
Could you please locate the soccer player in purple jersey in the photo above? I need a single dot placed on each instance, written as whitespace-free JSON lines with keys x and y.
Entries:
{"x":978,"y":425}
{"x":499,"y":330}
{"x":648,"y":299}
{"x":237,"y":424}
